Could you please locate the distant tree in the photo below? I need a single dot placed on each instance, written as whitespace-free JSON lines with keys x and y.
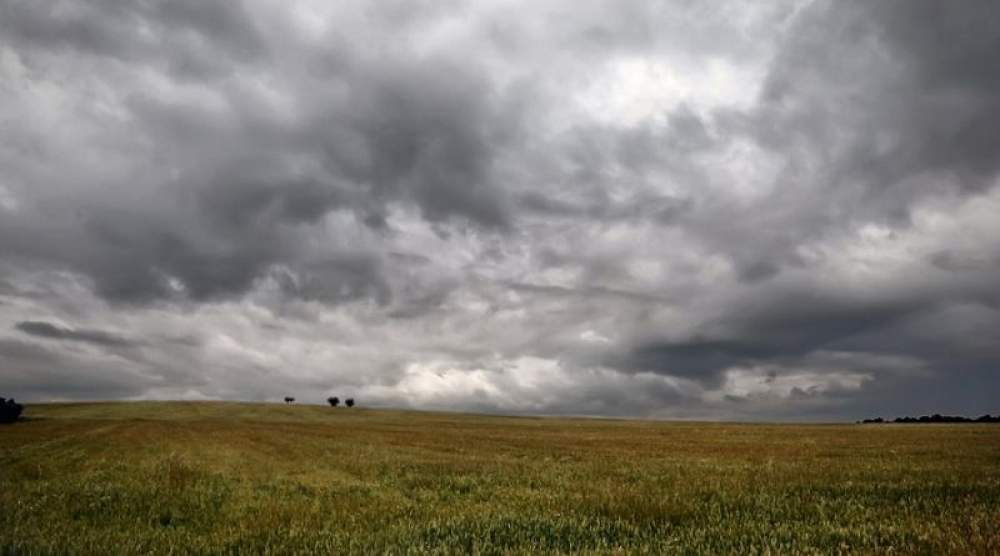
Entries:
{"x":289,"y":399}
{"x":349,"y":402}
{"x":9,"y":410}
{"x":334,"y":401}
{"x":936,"y":418}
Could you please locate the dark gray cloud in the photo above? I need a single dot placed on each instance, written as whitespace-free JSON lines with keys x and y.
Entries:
{"x":34,"y":372}
{"x":229,"y":187}
{"x":617,"y":208}
{"x":51,"y":331}
{"x":188,"y":38}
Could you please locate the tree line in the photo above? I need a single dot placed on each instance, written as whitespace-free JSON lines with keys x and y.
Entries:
{"x":936,"y":418}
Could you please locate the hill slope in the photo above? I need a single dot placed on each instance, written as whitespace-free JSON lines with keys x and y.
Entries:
{"x":228,"y":477}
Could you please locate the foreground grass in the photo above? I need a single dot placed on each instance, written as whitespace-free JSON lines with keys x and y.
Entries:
{"x":253,"y":478}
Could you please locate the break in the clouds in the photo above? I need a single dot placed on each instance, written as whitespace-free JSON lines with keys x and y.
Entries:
{"x":781,"y":210}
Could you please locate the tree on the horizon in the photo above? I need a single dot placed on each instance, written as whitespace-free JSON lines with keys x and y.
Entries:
{"x":333,"y":401}
{"x":9,"y":410}
{"x":289,"y":399}
{"x":349,"y":402}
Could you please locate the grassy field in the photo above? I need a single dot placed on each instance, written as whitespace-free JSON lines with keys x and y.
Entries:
{"x":254,"y":478}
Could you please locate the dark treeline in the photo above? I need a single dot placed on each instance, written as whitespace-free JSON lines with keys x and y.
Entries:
{"x":936,"y":418}
{"x":9,"y":410}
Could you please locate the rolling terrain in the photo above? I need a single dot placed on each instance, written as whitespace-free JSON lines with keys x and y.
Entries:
{"x":186,"y":477}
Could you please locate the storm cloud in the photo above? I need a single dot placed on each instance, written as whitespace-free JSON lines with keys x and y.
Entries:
{"x":666,"y":209}
{"x":48,"y":330}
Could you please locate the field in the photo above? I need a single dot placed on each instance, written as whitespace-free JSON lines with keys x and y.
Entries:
{"x":185,"y":478}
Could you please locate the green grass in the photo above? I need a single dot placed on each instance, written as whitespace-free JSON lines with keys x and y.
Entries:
{"x":190,"y":478}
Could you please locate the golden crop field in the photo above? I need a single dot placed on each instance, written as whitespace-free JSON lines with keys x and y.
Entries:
{"x":209,"y":478}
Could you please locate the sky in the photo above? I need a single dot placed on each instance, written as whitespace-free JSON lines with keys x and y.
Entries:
{"x":732,"y":210}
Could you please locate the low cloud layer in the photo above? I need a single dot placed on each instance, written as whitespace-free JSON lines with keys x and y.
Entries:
{"x":659,"y":209}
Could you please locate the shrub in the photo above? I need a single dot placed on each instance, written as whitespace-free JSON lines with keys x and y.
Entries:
{"x":334,"y":401}
{"x":349,"y":402}
{"x":9,"y":410}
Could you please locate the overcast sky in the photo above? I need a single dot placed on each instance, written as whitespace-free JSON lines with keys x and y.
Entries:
{"x":705,"y":210}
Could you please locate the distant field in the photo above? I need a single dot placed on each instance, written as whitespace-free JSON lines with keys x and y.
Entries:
{"x":255,"y":478}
